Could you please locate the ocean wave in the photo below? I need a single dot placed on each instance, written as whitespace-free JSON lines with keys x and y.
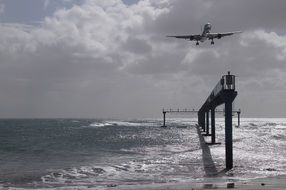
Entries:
{"x":280,"y":126}
{"x":122,"y":123}
{"x":98,"y":125}
{"x":157,"y":164}
{"x":72,"y":175}
{"x":280,"y":137}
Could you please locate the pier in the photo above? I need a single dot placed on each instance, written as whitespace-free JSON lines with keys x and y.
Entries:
{"x":223,"y":93}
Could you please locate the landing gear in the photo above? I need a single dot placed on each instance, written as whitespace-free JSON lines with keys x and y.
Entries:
{"x":197,"y":43}
{"x":212,"y":43}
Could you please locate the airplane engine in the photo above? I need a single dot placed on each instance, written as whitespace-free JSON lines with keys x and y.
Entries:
{"x":219,"y":36}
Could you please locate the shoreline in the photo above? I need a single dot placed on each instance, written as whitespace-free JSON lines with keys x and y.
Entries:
{"x":267,"y":183}
{"x":220,"y":183}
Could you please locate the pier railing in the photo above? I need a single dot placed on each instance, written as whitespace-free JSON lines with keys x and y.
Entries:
{"x":191,"y":111}
{"x":176,"y":111}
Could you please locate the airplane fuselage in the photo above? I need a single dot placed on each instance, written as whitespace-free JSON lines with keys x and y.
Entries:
{"x":206,"y":31}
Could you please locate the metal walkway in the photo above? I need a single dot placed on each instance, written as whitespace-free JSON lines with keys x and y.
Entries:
{"x":223,"y":93}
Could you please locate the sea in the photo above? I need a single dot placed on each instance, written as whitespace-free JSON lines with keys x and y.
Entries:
{"x":111,"y":153}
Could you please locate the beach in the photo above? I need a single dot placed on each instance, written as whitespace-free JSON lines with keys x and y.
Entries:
{"x":270,"y":183}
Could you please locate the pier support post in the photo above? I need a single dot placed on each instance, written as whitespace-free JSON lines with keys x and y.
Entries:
{"x":229,"y":97}
{"x":238,"y":118}
{"x":207,"y":123}
{"x":204,"y":121}
{"x":164,"y":118}
{"x":201,"y":119}
{"x":213,"y":125}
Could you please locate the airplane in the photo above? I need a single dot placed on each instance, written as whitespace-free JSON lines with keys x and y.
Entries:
{"x":206,"y":35}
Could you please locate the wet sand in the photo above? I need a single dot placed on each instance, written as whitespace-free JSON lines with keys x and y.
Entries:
{"x":270,"y":183}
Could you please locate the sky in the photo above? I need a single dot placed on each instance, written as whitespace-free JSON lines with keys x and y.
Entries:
{"x":111,"y":58}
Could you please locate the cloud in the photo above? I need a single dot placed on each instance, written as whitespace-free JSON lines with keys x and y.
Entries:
{"x":2,"y":7}
{"x":109,"y":59}
{"x":74,"y":55}
{"x":46,"y":3}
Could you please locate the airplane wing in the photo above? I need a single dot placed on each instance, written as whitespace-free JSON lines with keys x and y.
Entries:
{"x":220,"y":35}
{"x":188,"y":37}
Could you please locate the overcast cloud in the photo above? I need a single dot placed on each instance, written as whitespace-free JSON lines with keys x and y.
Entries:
{"x":94,"y":58}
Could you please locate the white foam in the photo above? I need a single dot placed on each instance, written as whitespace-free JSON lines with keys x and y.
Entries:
{"x":98,"y":125}
{"x":123,"y":123}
